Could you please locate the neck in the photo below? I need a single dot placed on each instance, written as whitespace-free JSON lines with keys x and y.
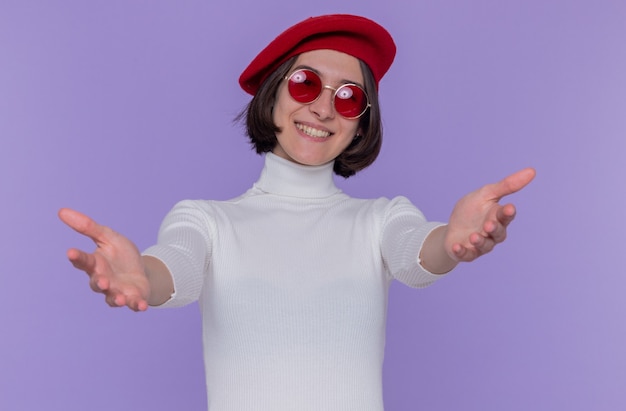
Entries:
{"x":287,"y":178}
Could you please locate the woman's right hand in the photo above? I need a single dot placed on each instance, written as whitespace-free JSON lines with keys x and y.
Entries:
{"x":115,"y":268}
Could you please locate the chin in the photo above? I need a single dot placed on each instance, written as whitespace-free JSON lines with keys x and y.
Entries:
{"x":305,"y":157}
{"x":306,"y":161}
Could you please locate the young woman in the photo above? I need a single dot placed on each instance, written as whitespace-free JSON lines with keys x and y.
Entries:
{"x":292,"y":277}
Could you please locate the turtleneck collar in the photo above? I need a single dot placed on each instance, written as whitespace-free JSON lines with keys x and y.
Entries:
{"x":286,"y":178}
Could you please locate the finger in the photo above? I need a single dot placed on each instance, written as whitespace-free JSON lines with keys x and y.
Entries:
{"x":82,"y":260}
{"x":480,"y":245}
{"x":119,"y":299}
{"x":142,"y":305}
{"x":100,"y":284}
{"x":83,"y":224}
{"x":496,"y":231}
{"x":496,"y":228}
{"x":459,"y":252}
{"x":463,"y":253}
{"x":115,"y":299}
{"x":137,"y":304}
{"x":477,"y":241}
{"x":486,"y":245}
{"x":88,"y":263}
{"x":506,"y":214}
{"x":512,"y":183}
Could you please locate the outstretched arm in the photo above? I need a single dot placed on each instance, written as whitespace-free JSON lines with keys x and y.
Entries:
{"x":478,"y":222}
{"x":116,"y":268}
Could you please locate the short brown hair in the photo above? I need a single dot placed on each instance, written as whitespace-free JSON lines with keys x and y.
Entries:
{"x":261,"y":129}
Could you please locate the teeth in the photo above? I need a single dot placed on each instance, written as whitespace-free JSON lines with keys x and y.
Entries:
{"x":313,"y":132}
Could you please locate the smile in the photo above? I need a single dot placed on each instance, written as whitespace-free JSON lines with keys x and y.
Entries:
{"x":313,"y":132}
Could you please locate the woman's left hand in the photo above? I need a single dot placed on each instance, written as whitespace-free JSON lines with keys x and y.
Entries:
{"x":478,"y":222}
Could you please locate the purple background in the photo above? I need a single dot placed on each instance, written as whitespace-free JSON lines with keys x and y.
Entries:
{"x":121,"y":108}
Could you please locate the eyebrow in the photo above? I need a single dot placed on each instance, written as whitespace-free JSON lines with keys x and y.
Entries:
{"x":344,"y":81}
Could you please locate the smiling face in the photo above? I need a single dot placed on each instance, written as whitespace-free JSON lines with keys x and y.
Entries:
{"x":314,"y":134}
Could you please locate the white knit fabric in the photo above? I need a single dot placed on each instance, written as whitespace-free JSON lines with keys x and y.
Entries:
{"x":292,"y":279}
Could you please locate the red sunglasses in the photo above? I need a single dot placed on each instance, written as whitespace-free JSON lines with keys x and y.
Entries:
{"x":349,"y":100}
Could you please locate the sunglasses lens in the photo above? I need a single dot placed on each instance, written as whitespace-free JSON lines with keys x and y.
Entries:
{"x":304,"y":86}
{"x":350,"y":101}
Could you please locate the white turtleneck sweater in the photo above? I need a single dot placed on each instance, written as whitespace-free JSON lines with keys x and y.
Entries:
{"x":292,"y":279}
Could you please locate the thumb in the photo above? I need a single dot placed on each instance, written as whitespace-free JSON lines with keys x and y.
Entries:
{"x":82,"y":223}
{"x":513,"y":183}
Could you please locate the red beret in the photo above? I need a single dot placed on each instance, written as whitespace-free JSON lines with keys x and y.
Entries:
{"x":353,"y":35}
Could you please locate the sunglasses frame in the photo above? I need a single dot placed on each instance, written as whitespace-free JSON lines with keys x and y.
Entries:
{"x":333,"y":89}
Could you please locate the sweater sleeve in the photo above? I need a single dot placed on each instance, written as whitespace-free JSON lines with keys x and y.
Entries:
{"x":404,"y":230}
{"x":184,"y":246}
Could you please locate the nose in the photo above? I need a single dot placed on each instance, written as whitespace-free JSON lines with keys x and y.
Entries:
{"x":323,"y":107}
